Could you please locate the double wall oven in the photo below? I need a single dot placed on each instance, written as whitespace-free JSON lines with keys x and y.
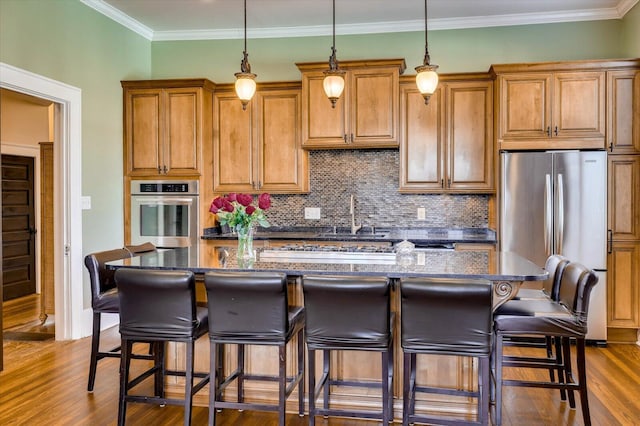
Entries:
{"x":164,"y":213}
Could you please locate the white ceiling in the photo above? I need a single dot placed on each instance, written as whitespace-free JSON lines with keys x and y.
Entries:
{"x":223,"y":19}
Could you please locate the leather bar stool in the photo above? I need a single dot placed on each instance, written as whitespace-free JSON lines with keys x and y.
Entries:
{"x":251,"y":308}
{"x":445,"y":317}
{"x":565,"y":319}
{"x":554,"y":265}
{"x":158,"y":307}
{"x":104,"y":299}
{"x":348,"y":313}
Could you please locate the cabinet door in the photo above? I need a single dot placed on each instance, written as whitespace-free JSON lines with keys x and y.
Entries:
{"x":525,"y":106}
{"x":374,"y":107}
{"x":322,"y":125}
{"x":623,"y":281}
{"x":421,"y":148}
{"x":579,"y":105}
{"x":182,"y":138}
{"x":233,"y":149}
{"x":143,"y":132}
{"x":624,"y":197}
{"x":621,"y":121}
{"x":469,"y":136}
{"x":283,"y":163}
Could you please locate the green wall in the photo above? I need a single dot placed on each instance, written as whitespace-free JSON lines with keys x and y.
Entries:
{"x":631,"y":32}
{"x":70,"y":42}
{"x":453,"y":50}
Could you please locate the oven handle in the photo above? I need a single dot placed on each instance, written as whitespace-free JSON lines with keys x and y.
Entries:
{"x":163,"y":200}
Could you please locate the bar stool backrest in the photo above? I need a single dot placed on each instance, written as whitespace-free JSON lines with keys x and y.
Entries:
{"x":101,"y":278}
{"x":347,"y":312}
{"x":449,"y":316}
{"x":156,"y":305}
{"x":250,"y":304}
{"x":575,"y":288}
{"x":555,"y":265}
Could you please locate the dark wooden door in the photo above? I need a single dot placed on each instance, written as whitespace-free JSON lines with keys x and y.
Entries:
{"x":18,"y":227}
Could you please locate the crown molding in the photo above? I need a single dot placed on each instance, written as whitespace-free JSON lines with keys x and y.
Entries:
{"x":123,"y":19}
{"x":367,"y":28}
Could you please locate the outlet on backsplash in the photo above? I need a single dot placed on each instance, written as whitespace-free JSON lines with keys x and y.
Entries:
{"x":422,"y":213}
{"x":312,"y":212}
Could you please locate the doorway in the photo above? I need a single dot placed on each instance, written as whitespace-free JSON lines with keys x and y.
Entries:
{"x":73,"y":321}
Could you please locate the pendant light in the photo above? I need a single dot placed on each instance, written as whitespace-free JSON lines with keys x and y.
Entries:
{"x":333,"y":82}
{"x":427,"y":78}
{"x":245,"y":83}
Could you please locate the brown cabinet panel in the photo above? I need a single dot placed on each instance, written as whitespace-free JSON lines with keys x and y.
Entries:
{"x":551,"y":110}
{"x":165,"y":124}
{"x":447,"y":145}
{"x":624,"y":197}
{"x":623,"y":280}
{"x":622,"y":87}
{"x":365,"y":115}
{"x":259,"y":149}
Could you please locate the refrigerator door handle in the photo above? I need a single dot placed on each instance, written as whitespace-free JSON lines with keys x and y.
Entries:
{"x":548,"y":205}
{"x":560,"y":217}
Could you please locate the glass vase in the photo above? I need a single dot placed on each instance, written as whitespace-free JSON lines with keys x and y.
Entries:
{"x":245,"y":251}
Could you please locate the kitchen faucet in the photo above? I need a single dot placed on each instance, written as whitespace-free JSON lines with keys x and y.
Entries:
{"x":354,"y":228}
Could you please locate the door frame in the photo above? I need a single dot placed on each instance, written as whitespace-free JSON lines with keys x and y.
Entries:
{"x":69,"y":291}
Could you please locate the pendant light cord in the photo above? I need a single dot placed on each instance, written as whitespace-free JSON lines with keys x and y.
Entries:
{"x":245,"y":25}
{"x":427,"y":58}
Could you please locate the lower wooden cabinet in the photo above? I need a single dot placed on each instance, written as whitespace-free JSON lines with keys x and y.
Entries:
{"x":623,"y":284}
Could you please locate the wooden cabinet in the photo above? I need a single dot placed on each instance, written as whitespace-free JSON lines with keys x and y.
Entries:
{"x":623,"y":125}
{"x":623,"y":263}
{"x":365,"y":116}
{"x":447,"y":146}
{"x":165,"y":124}
{"x":624,"y":197}
{"x":259,"y":149}
{"x":623,"y":284}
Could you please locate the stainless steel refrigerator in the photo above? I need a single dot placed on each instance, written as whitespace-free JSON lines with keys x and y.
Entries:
{"x":555,"y":202}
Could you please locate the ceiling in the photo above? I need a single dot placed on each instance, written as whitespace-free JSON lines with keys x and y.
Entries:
{"x":224,"y":19}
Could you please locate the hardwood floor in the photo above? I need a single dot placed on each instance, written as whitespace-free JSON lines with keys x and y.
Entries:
{"x":44,"y":382}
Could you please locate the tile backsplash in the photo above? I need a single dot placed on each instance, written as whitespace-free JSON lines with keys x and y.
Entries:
{"x":372,"y":176}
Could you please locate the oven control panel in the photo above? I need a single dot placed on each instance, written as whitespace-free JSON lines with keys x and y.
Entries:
{"x":148,"y":187}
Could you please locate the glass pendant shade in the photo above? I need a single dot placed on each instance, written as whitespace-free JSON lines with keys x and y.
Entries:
{"x":427,"y":80}
{"x":245,"y":87}
{"x":333,"y":85}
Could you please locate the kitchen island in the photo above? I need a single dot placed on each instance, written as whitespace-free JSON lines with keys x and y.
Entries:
{"x":506,"y":270}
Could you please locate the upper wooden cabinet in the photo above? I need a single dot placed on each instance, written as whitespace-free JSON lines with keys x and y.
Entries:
{"x":165,"y":125}
{"x":365,"y":116}
{"x":551,"y":110}
{"x":259,"y":149}
{"x":447,"y":145}
{"x":623,"y":124}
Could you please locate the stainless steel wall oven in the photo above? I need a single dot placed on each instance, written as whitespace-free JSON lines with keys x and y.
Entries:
{"x":164,"y":213}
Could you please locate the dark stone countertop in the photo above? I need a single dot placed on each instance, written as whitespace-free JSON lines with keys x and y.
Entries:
{"x":494,"y":266}
{"x":421,"y":237}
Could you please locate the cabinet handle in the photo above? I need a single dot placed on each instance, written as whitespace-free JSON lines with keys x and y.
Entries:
{"x":610,"y":146}
{"x":159,"y":170}
{"x":549,"y":131}
{"x":346,"y":140}
{"x":449,"y":182}
{"x":556,"y":130}
{"x":165,"y":169}
{"x":351,"y":137}
{"x":610,"y":248}
{"x":442,"y":183}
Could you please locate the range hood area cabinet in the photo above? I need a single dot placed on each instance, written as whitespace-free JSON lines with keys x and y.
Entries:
{"x":259,"y":149}
{"x":447,"y":145}
{"x":165,"y":124}
{"x":365,"y":116}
